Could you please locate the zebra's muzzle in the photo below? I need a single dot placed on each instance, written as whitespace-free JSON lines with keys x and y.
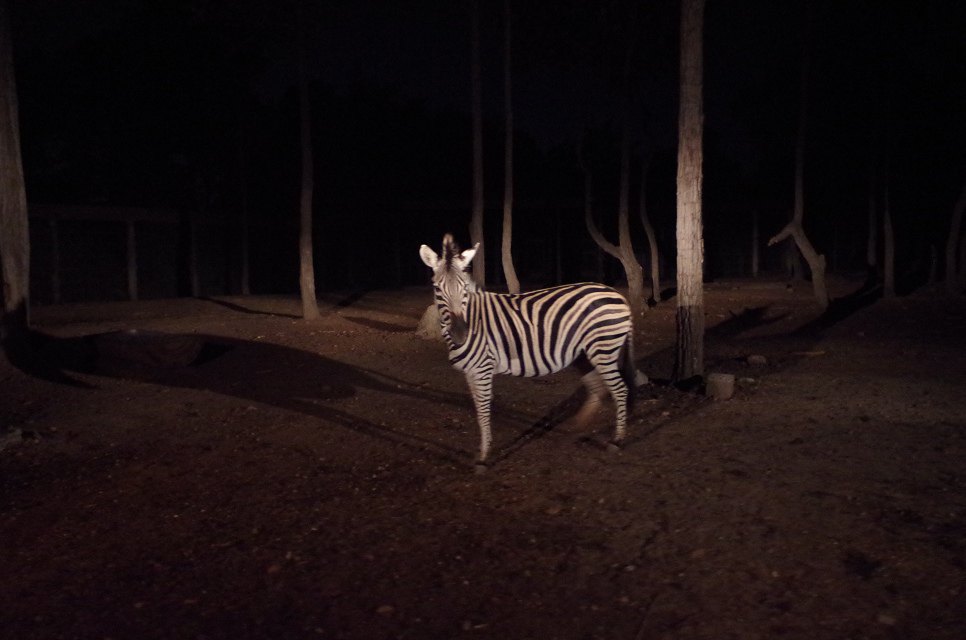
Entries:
{"x":457,"y":329}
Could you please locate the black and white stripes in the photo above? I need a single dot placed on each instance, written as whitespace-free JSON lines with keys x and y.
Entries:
{"x":532,"y":334}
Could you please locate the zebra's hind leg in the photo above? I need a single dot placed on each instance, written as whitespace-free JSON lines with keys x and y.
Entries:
{"x":481,"y":386}
{"x":609,"y":371}
{"x":596,"y":392}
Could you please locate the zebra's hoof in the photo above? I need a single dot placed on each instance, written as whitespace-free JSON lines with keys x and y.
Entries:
{"x":613,"y":447}
{"x":480,"y":468}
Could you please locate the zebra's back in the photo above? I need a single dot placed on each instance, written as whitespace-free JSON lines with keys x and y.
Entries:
{"x":544,"y":331}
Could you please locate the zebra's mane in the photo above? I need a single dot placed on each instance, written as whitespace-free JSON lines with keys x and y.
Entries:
{"x":450,"y":250}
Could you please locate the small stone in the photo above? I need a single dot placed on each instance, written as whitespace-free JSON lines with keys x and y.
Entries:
{"x":886,"y":619}
{"x":720,"y":386}
{"x":756,"y":360}
{"x":386,"y":610}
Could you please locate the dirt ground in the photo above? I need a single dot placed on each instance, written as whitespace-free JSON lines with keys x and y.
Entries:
{"x":301,"y":480}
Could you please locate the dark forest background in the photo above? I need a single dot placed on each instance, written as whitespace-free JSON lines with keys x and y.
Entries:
{"x":189,"y":107}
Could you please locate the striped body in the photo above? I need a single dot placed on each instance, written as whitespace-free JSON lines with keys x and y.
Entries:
{"x":540,"y":332}
{"x":532,"y":334}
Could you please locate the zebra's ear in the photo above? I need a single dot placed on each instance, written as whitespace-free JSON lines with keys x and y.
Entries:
{"x":430,"y":259}
{"x":467,"y":256}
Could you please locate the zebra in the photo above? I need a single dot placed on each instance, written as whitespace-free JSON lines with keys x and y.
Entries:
{"x":532,"y":334}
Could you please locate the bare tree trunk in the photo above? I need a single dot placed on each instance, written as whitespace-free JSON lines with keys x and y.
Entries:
{"x":310,"y":307}
{"x":755,"y":242}
{"x":632,"y":268}
{"x":689,"y":322}
{"x":512,"y":283}
{"x":794,"y":229}
{"x":54,"y":259}
{"x":955,"y":276}
{"x":14,"y":232}
{"x":476,"y":218}
{"x":888,"y":249}
{"x":623,"y":250}
{"x":193,"y":274}
{"x":132,"y":260}
{"x":558,"y":248}
{"x":962,"y":265}
{"x":599,"y":256}
{"x":589,"y":218}
{"x":651,"y":237}
{"x":245,"y":278}
{"x":243,"y":240}
{"x":871,"y":247}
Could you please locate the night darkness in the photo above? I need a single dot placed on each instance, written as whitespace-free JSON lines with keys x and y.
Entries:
{"x":185,"y":457}
{"x":189,"y":107}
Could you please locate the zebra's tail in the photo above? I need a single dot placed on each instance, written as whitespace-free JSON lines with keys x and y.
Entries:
{"x":629,"y":369}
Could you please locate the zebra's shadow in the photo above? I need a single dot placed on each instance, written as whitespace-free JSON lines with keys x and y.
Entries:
{"x":657,"y":404}
{"x":252,"y":370}
{"x":559,"y":414}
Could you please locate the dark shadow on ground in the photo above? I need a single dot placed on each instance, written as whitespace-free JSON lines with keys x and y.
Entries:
{"x":254,"y":371}
{"x":841,"y":308}
{"x":248,"y":310}
{"x":748,"y":319}
{"x":352,"y":298}
{"x":379,"y":325}
{"x":655,"y":402}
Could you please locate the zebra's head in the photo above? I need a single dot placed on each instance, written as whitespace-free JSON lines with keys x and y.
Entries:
{"x":452,"y":285}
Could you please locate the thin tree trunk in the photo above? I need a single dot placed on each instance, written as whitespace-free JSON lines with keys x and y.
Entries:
{"x":955,"y":276}
{"x":888,"y":249}
{"x":651,"y":237}
{"x":132,"y":260}
{"x":558,"y":248}
{"x":476,"y":218}
{"x":962,"y":265}
{"x":512,"y":283}
{"x":632,"y":268}
{"x":755,"y":242}
{"x":54,"y":260}
{"x":872,"y":243}
{"x":624,"y":250}
{"x":794,"y":229}
{"x":689,"y":322}
{"x":14,"y":231}
{"x":590,"y":220}
{"x":310,"y":307}
{"x":243,"y":240}
{"x":193,"y":274}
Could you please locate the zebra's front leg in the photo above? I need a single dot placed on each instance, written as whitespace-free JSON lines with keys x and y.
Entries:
{"x":481,"y":386}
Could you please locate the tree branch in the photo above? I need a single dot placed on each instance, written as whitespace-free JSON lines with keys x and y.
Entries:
{"x":592,"y":229}
{"x":598,"y":237}
{"x":787,"y":230}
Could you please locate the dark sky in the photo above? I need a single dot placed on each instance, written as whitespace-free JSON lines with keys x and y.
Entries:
{"x":137,"y":102}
